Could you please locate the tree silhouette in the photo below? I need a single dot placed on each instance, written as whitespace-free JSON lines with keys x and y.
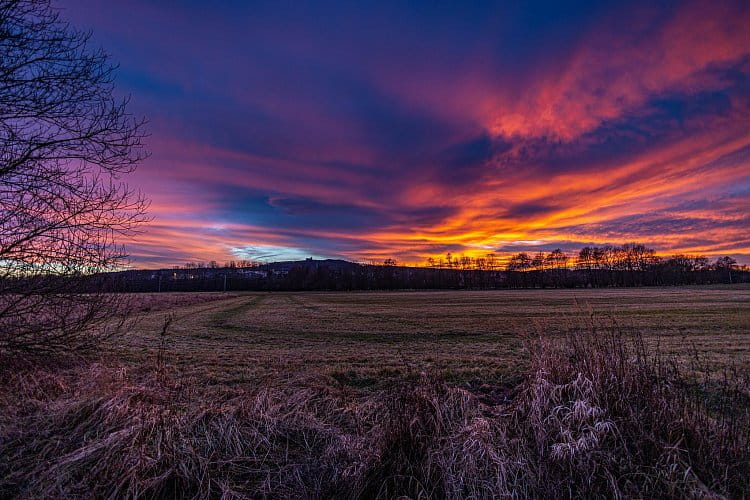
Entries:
{"x":726,"y":264}
{"x":65,"y":143}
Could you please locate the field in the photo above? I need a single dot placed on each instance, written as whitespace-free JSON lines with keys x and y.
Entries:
{"x":364,"y":337}
{"x":447,"y":394}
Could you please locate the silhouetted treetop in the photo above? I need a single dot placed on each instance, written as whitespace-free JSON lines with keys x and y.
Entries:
{"x":65,"y":143}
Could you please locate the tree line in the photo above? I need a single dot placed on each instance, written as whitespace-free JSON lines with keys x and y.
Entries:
{"x":626,"y":265}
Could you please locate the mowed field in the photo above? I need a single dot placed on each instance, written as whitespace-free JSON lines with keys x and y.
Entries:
{"x":364,"y":338}
{"x":443,"y":394}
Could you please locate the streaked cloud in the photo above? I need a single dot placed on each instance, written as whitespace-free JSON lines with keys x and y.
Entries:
{"x":412,"y":130}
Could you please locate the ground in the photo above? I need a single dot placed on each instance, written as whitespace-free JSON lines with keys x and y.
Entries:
{"x":363,"y":338}
{"x":392,"y":395}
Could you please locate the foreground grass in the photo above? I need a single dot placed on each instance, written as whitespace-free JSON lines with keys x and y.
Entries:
{"x":596,"y":415}
{"x":237,"y":402}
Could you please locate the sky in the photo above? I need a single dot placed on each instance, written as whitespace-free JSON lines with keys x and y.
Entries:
{"x":371,"y":130}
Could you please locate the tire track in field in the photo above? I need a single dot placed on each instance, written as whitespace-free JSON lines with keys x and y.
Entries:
{"x":179,"y":312}
{"x":222,"y":319}
{"x":297,"y":301}
{"x":216,"y":304}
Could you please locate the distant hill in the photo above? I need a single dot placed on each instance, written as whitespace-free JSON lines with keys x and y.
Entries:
{"x":311,"y":263}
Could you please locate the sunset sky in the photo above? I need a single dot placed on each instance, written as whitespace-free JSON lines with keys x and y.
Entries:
{"x":368,"y":130}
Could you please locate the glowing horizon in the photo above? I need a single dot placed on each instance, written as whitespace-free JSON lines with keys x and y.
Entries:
{"x":409,"y":131}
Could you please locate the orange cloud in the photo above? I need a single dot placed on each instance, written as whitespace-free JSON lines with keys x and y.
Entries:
{"x":606,"y":76}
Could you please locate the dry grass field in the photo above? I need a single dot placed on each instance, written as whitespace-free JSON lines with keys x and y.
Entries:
{"x":362,"y":337}
{"x":449,"y":394}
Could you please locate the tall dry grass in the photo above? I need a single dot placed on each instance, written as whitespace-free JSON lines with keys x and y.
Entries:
{"x":601,"y":414}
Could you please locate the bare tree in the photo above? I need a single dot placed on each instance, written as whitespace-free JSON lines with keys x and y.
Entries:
{"x":65,"y":143}
{"x":519,"y":262}
{"x":538,"y":262}
{"x":492,"y":262}
{"x":557,"y":262}
{"x":726,"y":263}
{"x":585,"y":261}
